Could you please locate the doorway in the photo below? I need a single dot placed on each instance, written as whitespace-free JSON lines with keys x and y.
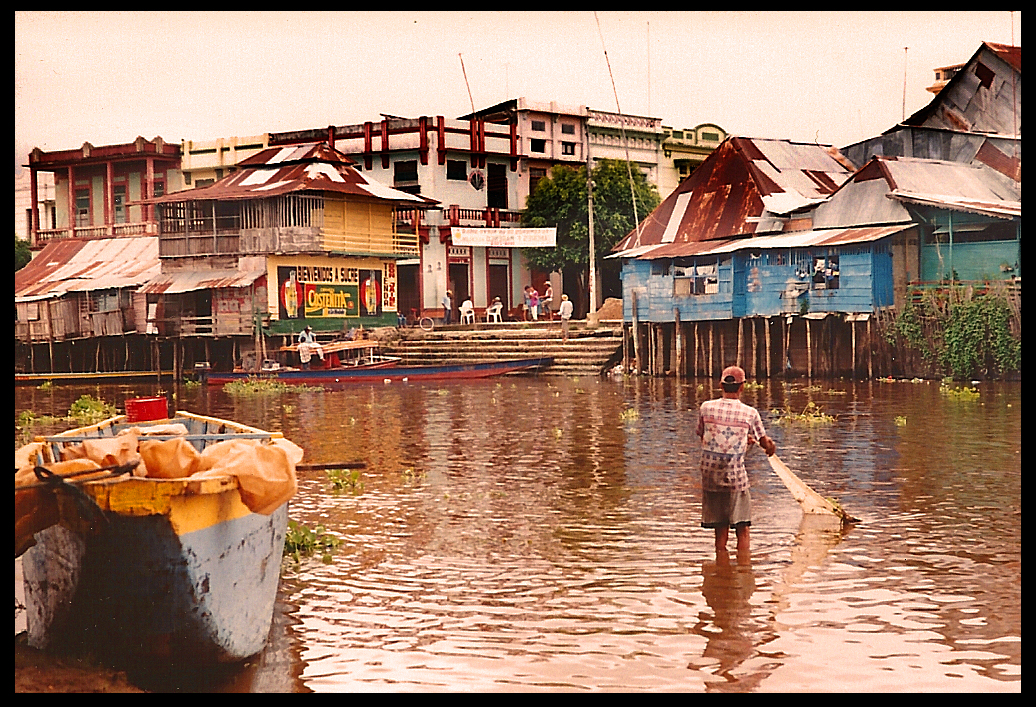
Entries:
{"x":500,"y":285}
{"x":408,"y":290}
{"x":459,"y":284}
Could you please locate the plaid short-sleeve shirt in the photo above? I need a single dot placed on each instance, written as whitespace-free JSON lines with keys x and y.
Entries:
{"x":724,"y":426}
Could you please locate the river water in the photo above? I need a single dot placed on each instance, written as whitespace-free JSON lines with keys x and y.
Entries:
{"x":542,"y":534}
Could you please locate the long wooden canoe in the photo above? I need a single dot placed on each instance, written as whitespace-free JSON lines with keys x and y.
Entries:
{"x":459,"y":371}
{"x":175,"y":569}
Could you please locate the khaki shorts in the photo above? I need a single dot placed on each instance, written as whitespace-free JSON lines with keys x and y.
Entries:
{"x":726,"y":508}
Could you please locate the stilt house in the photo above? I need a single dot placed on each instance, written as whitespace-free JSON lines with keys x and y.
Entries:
{"x":734,"y":246}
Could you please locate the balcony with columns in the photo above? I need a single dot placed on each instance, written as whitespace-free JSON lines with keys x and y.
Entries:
{"x":98,"y":190}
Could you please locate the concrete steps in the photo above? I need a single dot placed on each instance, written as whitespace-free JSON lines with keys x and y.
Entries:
{"x":587,"y":352}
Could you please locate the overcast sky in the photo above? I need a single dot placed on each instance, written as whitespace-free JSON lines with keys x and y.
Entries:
{"x":831,"y":77}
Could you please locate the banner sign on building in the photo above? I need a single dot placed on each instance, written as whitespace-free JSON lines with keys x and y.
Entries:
{"x":505,"y":237}
{"x":317,"y":288}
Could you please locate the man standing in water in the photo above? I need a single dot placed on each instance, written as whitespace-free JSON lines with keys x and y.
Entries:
{"x":727,"y":427}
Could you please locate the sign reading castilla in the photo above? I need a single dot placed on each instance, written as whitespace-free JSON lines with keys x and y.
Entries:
{"x":505,"y":237}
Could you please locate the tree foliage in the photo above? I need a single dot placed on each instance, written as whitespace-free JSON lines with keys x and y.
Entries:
{"x":560,"y":200}
{"x":22,"y":254}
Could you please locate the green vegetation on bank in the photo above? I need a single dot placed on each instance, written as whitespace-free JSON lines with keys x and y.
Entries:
{"x":961,"y":337}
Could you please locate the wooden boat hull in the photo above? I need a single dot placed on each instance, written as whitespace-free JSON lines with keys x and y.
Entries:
{"x":177,"y":570}
{"x":394,"y":373}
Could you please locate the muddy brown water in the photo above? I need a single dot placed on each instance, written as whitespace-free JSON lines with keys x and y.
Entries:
{"x":542,"y":534}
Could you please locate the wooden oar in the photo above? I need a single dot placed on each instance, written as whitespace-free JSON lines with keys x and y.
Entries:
{"x":811,"y":501}
{"x":331,"y":465}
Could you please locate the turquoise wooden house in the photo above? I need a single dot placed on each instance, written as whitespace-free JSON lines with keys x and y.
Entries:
{"x":967,"y":216}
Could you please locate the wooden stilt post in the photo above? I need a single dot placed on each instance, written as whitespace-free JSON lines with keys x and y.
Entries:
{"x":853,"y":324}
{"x":678,"y":345}
{"x":659,"y":349}
{"x":740,"y":336}
{"x":870,"y":366}
{"x":708,"y":368}
{"x":722,"y":353}
{"x":636,"y":334}
{"x":755,"y":354}
{"x":766,"y":336}
{"x":697,"y":346}
{"x":809,"y":352}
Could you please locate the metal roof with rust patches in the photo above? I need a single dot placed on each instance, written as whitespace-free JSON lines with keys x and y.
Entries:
{"x":983,"y":96}
{"x":827,"y":237}
{"x":741,"y":189}
{"x":190,"y":280}
{"x":84,"y":265}
{"x":877,"y":192}
{"x":313,"y":167}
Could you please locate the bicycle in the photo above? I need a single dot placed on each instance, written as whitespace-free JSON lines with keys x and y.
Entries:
{"x":426,"y":323}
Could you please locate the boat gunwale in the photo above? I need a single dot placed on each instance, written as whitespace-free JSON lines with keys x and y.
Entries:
{"x":187,"y":485}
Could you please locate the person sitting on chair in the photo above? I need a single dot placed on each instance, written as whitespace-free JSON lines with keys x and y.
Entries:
{"x":493,"y":312}
{"x":467,"y":312}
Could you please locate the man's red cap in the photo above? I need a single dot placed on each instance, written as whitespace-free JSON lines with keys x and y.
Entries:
{"x":733,"y":374}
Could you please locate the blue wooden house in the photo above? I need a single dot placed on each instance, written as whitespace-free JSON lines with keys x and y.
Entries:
{"x":735,"y":242}
{"x":891,"y":226}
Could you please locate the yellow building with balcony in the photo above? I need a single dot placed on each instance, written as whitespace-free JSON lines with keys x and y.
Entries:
{"x":319,"y":236}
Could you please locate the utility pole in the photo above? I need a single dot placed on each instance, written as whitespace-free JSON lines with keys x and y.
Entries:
{"x":592,"y":307}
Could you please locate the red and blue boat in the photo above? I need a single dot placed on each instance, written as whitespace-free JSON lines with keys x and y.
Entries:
{"x":361,"y":374}
{"x":366,"y":365}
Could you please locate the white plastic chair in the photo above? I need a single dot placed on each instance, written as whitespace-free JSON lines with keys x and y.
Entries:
{"x":493,"y":313}
{"x":467,"y":316}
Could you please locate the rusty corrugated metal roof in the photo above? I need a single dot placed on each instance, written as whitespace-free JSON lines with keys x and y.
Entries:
{"x":941,"y":184}
{"x":190,"y":280}
{"x":797,"y":239}
{"x":741,"y":189}
{"x":282,"y":170}
{"x":84,"y":265}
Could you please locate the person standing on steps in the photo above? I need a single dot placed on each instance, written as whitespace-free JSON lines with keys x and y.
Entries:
{"x":727,"y":428}
{"x":447,"y":305}
{"x":565,"y":312}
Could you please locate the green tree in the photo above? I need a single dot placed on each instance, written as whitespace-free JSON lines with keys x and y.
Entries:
{"x":560,"y":201}
{"x":22,"y":254}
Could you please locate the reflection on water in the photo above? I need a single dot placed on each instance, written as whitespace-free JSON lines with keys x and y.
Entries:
{"x":543,"y":534}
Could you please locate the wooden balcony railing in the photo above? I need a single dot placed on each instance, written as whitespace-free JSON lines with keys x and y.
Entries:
{"x":116,"y":230}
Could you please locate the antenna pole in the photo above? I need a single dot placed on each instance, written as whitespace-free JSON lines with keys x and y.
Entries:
{"x":904,"y":82}
{"x":463,"y":71}
{"x":625,"y":142}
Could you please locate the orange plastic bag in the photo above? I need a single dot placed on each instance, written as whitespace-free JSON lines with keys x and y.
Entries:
{"x":169,"y":459}
{"x":108,"y":451}
{"x":265,"y":471}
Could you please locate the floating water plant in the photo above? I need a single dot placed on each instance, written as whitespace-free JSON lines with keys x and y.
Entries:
{"x":901,"y":420}
{"x":265,"y":386}
{"x":301,"y":541}
{"x":342,"y":479}
{"x":810,"y":415}
{"x":965,"y":394}
{"x":409,"y":475}
{"x":88,"y":410}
